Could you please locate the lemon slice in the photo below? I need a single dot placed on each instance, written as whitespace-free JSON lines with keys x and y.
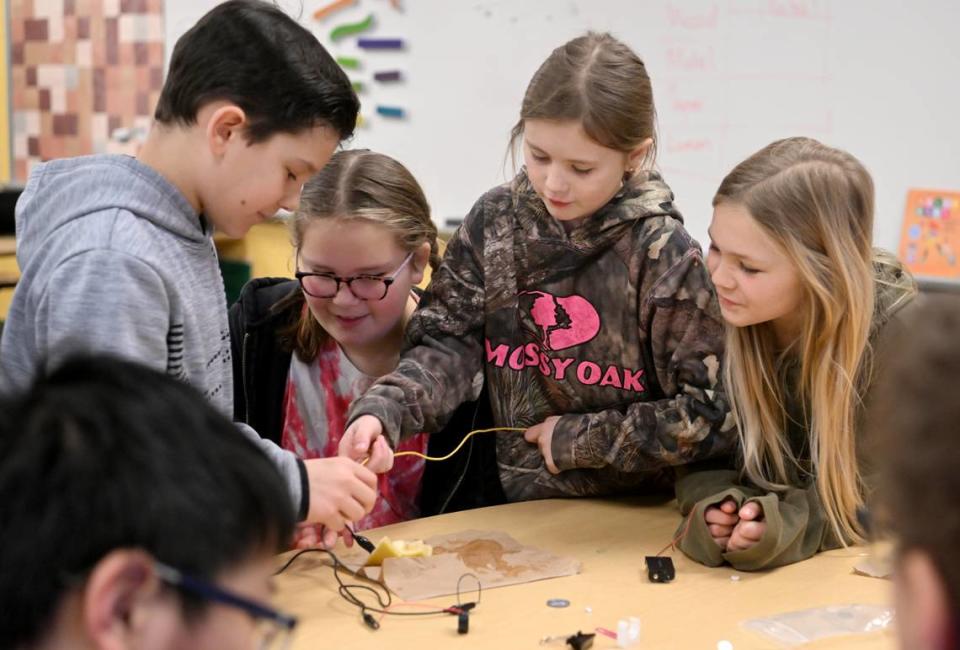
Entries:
{"x":397,"y":548}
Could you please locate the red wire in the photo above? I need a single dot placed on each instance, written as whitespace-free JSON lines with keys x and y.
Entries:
{"x":686,"y":529}
{"x":438,"y":609}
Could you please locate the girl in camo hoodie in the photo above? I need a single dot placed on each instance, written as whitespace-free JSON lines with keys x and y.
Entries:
{"x":576,"y":295}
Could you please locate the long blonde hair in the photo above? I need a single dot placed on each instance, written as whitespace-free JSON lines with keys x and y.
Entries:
{"x":817,"y":203}
{"x":361,"y":185}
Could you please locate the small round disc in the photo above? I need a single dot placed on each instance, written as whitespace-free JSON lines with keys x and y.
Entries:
{"x":558,"y":602}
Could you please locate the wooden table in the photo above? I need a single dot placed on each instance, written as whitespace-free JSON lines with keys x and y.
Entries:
{"x":611,"y":537}
{"x":9,"y":273}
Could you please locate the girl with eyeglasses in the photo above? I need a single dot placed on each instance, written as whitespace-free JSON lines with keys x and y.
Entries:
{"x":304,"y":349}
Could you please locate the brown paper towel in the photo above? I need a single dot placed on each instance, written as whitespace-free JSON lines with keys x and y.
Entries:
{"x":494,"y":557}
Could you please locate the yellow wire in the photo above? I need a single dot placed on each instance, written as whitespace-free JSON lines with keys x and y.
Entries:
{"x":458,"y":448}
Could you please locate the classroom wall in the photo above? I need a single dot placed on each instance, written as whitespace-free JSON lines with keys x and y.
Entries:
{"x":4,"y":98}
{"x":85,"y":77}
{"x":877,"y":78}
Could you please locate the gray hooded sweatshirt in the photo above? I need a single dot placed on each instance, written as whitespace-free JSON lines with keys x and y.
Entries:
{"x":115,"y":260}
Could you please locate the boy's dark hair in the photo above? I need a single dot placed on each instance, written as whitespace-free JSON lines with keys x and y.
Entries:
{"x":105,"y":454}
{"x":915,"y":419}
{"x":254,"y":55}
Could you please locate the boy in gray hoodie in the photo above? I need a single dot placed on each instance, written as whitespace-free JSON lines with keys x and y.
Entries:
{"x":116,"y":253}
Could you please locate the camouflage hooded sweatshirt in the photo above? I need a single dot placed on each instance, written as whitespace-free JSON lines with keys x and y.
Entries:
{"x":611,"y":323}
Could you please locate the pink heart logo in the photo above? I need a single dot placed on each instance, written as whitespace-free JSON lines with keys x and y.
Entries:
{"x":565,"y":321}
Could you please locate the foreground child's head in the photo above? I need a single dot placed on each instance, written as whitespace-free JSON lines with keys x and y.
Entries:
{"x":587,"y":123}
{"x":915,"y":416}
{"x":363,"y":238}
{"x":269,"y":102}
{"x":114,"y":478}
{"x":791,"y":259}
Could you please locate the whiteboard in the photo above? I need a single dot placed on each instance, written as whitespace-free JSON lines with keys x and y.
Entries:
{"x":878,"y":78}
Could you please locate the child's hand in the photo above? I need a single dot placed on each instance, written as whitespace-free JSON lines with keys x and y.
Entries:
{"x":381,"y":456}
{"x":751,"y":528}
{"x":721,"y":519}
{"x":341,"y":490}
{"x":314,"y":535}
{"x":542,"y":435}
{"x":364,"y":439}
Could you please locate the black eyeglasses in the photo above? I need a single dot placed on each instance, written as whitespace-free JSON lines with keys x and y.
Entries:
{"x":274,"y":628}
{"x":363,"y":287}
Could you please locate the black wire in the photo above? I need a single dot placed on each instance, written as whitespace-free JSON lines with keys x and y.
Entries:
{"x":346,"y":590}
{"x":294,"y":557}
{"x":479,"y":588}
{"x":362,"y":541}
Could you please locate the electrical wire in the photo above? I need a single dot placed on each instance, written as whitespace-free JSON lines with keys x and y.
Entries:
{"x":676,"y":540}
{"x":417,"y":454}
{"x":455,"y":450}
{"x":350,"y":592}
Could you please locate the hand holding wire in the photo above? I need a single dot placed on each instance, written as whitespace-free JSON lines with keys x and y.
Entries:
{"x":340,"y":491}
{"x":364,"y":439}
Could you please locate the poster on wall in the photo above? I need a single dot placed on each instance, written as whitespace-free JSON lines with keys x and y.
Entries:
{"x":367,"y":50}
{"x":85,"y":77}
{"x":930,"y":238}
{"x":4,"y":98}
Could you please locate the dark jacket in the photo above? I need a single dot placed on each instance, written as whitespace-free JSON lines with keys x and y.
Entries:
{"x":261,"y":363}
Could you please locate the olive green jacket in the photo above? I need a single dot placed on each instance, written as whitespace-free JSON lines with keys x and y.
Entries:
{"x":796,"y":524}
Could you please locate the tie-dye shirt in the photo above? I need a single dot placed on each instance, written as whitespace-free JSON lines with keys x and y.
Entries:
{"x":315,"y":405}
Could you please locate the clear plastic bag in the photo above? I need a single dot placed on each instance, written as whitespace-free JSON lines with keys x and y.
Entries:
{"x":796,"y":628}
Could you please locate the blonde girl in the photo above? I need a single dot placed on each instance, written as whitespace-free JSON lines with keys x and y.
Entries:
{"x":805,"y":298}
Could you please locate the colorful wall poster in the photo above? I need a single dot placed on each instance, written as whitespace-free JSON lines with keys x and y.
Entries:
{"x":930,"y":238}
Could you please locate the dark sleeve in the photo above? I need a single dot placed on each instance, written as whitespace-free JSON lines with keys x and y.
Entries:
{"x":236,"y":317}
{"x":442,"y":366}
{"x":261,"y":362}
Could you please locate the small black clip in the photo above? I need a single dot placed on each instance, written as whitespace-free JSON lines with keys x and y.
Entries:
{"x":660,"y":569}
{"x":362,"y":541}
{"x":463,"y":622}
{"x":370,"y":621}
{"x":581,"y":641}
